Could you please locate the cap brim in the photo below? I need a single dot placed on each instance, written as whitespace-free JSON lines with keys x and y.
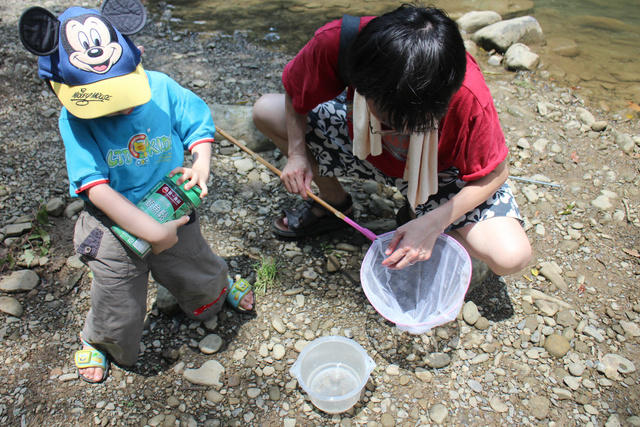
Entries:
{"x":106,"y":96}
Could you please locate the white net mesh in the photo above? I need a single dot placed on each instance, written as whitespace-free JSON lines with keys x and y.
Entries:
{"x":422,"y":296}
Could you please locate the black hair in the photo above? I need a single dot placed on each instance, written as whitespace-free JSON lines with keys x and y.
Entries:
{"x":409,"y":62}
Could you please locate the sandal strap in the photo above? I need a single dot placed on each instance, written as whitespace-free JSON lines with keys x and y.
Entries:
{"x":90,"y":358}
{"x":303,"y":216}
{"x":237,"y":291}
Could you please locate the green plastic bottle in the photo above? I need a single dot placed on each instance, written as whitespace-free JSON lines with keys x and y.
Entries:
{"x":166,"y":201}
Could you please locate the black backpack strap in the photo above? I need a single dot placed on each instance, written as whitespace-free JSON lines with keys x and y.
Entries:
{"x":348,"y":33}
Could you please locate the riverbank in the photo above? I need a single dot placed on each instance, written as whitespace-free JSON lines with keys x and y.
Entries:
{"x":557,"y":344}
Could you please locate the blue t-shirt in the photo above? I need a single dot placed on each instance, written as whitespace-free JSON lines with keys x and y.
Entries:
{"x":133,"y":152}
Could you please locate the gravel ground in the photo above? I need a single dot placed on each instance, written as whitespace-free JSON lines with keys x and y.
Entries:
{"x":555,"y":345}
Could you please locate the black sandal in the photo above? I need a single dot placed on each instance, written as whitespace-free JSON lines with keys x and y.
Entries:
{"x":303,"y":222}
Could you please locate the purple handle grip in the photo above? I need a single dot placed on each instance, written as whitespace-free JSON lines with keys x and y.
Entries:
{"x":368,"y":233}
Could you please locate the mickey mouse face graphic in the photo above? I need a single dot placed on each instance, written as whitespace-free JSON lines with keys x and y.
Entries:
{"x":91,"y":43}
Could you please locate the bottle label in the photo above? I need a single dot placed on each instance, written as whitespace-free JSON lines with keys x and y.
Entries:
{"x":162,"y":204}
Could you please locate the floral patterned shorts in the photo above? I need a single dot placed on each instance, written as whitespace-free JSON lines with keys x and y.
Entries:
{"x":328,"y":138}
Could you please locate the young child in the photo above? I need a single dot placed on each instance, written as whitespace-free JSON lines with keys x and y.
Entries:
{"x":124,"y":129}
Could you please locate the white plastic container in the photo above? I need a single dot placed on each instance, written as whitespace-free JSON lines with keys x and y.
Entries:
{"x":333,"y":372}
{"x":421,"y":296}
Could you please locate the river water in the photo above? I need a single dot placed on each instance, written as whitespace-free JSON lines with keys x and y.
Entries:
{"x":607,"y":33}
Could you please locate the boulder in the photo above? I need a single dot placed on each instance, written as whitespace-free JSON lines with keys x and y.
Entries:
{"x":20,"y":281}
{"x":475,"y":20}
{"x":501,"y":35}
{"x":564,"y":47}
{"x":236,"y":120}
{"x":519,"y":58}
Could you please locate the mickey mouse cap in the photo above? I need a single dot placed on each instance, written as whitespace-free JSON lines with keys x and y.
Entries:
{"x":93,"y":68}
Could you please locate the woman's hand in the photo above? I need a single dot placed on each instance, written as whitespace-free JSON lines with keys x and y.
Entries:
{"x":413,"y":242}
{"x":296,"y":176}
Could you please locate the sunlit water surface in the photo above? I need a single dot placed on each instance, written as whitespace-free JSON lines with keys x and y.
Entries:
{"x":607,"y":32}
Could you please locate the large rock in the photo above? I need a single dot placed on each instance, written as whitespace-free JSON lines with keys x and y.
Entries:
{"x":55,"y":206}
{"x":11,"y":306}
{"x":501,"y":35}
{"x":508,"y":9}
{"x":564,"y":47}
{"x":237,"y":122}
{"x":73,"y":208}
{"x":17,"y":230}
{"x":20,"y":281}
{"x":208,"y":374}
{"x":519,"y":58}
{"x":475,"y":20}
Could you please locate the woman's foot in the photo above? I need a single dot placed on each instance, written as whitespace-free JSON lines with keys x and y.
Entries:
{"x":311,"y":218}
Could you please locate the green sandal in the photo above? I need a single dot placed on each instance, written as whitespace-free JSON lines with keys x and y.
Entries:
{"x":237,"y":291}
{"x":91,"y":358}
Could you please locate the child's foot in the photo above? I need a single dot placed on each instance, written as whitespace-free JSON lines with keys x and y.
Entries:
{"x":93,"y":365}
{"x":240,"y":296}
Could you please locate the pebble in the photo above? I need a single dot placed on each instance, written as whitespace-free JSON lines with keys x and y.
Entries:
{"x":576,"y":369}
{"x":68,"y":377}
{"x":475,"y":386}
{"x":213,"y":396}
{"x":437,"y":360}
{"x":539,"y":406}
{"x":557,"y":345}
{"x":470,"y":313}
{"x":618,"y":363}
{"x":438,"y":413}
{"x":210,"y":344}
{"x":252,"y":393}
{"x":278,"y":351}
{"x":498,"y":405}
{"x":630,"y":328}
{"x":571,"y":382}
{"x":278,"y":325}
{"x":593,"y":333}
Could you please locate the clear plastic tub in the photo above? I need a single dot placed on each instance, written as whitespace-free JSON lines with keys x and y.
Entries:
{"x":421,"y":296}
{"x":333,"y":372}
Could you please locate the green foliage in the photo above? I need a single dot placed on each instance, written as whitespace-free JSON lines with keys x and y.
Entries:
{"x":7,"y":262}
{"x":29,"y":247}
{"x":523,"y":84}
{"x":43,"y":216}
{"x":568,"y":209}
{"x":266,"y":275}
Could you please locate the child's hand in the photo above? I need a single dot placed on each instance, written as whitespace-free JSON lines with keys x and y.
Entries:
{"x":170,"y":235}
{"x":194,"y":176}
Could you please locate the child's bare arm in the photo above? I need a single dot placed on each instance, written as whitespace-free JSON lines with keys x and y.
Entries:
{"x":130,"y":218}
{"x":199,"y":172}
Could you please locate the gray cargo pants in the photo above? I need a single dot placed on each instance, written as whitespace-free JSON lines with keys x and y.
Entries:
{"x":190,"y":270}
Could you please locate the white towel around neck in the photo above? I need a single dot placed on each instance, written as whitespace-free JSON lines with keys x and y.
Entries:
{"x":421,"y":168}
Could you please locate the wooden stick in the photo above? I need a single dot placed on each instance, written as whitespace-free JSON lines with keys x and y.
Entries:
{"x":277,"y":172}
